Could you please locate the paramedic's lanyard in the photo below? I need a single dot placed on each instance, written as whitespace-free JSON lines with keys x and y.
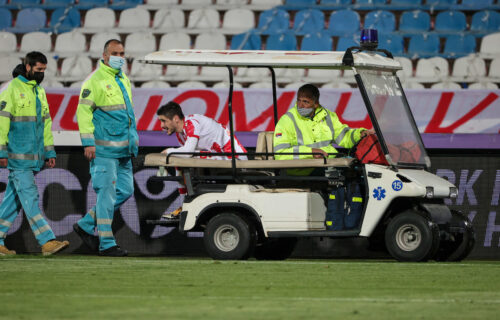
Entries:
{"x":128,"y":103}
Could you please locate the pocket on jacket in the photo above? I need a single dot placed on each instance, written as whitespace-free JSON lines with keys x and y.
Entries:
{"x":115,"y":130}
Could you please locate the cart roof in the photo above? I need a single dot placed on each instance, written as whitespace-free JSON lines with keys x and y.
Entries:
{"x":275,"y":59}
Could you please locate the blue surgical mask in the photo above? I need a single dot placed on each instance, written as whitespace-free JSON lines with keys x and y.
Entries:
{"x":116,"y":62}
{"x":305,"y":112}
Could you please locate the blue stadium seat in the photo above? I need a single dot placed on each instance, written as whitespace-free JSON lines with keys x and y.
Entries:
{"x":301,"y":3}
{"x":459,"y":45}
{"x":369,"y":4}
{"x":475,"y":4}
{"x":343,"y":23}
{"x":440,"y":4}
{"x":5,"y":19}
{"x":89,"y":4}
{"x":318,"y":41}
{"x":273,"y":21}
{"x":125,"y":4}
{"x":382,"y":20}
{"x":29,"y":19}
{"x":24,"y":3}
{"x":342,"y":3}
{"x":64,"y":20}
{"x":284,"y":41}
{"x":347,"y":42}
{"x":54,"y":4}
{"x":246,"y":41}
{"x":414,"y":22}
{"x":486,"y":21}
{"x":424,"y":45}
{"x":450,"y":22}
{"x":3,"y":2}
{"x":405,"y":4}
{"x":392,"y":42}
{"x":308,"y":21}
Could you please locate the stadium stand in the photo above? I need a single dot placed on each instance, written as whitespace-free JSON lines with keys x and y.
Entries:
{"x":344,"y":22}
{"x":8,"y":42}
{"x":246,"y":41}
{"x":7,"y":64}
{"x":432,"y":69}
{"x":284,"y":41}
{"x":446,"y":85}
{"x":470,"y":68}
{"x":423,"y":45}
{"x":416,"y":21}
{"x":64,"y":20}
{"x":168,"y":19}
{"x":69,"y":43}
{"x":224,"y":84}
{"x":97,"y":43}
{"x":5,"y":19}
{"x":75,"y":68}
{"x":381,"y":20}
{"x":238,"y":20}
{"x":308,"y":21}
{"x":458,"y":45}
{"x":29,"y":20}
{"x":156,"y":84}
{"x":35,"y":41}
{"x":273,"y":21}
{"x":318,"y":41}
{"x":449,"y":22}
{"x":175,"y":40}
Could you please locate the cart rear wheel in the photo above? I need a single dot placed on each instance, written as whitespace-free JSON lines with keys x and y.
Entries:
{"x":463,"y":242}
{"x":411,"y":237}
{"x":229,"y":237}
{"x":275,"y":249}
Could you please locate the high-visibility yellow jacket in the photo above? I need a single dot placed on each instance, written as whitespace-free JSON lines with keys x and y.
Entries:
{"x":297,"y":134}
{"x":105,"y":114}
{"x":25,"y":125}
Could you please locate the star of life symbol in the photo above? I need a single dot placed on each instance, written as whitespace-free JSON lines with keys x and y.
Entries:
{"x":379,"y":193}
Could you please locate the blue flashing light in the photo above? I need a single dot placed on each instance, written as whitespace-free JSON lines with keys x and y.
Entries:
{"x":369,"y":39}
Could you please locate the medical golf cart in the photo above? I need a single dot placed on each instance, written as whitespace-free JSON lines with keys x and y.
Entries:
{"x":254,"y":208}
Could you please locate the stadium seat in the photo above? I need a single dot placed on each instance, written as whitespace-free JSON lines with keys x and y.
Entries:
{"x":406,"y":64}
{"x":450,"y":22}
{"x":213,"y":73}
{"x":300,"y":3}
{"x":405,"y":4}
{"x":5,"y":19}
{"x":191,"y":84}
{"x":99,"y":19}
{"x":155,"y":84}
{"x":266,"y":3}
{"x":483,"y":86}
{"x":181,"y":72}
{"x":69,"y":44}
{"x":414,"y":22}
{"x":175,"y":40}
{"x":57,"y":4}
{"x":392,"y":42}
{"x":322,"y":75}
{"x":36,"y":41}
{"x":308,"y":21}
{"x":289,"y":74}
{"x":238,"y":20}
{"x":252,"y":74}
{"x":343,"y":3}
{"x":51,"y":70}
{"x":196,"y":3}
{"x":139,"y":44}
{"x":494,"y":72}
{"x":486,"y":21}
{"x":125,"y":4}
{"x":97,"y":42}
{"x":446,"y":85}
{"x":317,"y":41}
{"x":423,"y":45}
{"x":284,"y":41}
{"x":475,"y":4}
{"x":459,"y":45}
{"x":210,"y":41}
{"x":8,"y":42}
{"x":336,"y":85}
{"x":225,"y":84}
{"x":246,"y":41}
{"x":30,"y":19}
{"x":412,"y":85}
{"x":346,"y":42}
{"x":64,"y":20}
{"x":369,"y":4}
{"x":469,"y":67}
{"x":24,"y":3}
{"x":203,"y":18}
{"x":134,"y":19}
{"x":89,"y":4}
{"x":432,"y":69}
{"x":169,"y":19}
{"x":145,"y":71}
{"x":343,"y":23}
{"x":382,"y":20}
{"x":7,"y":64}
{"x":273,"y":21}
{"x":489,"y":45}
{"x":295,"y":85}
{"x":440,"y":4}
{"x":261,"y":85}
{"x":76,"y":68}
{"x":51,"y":83}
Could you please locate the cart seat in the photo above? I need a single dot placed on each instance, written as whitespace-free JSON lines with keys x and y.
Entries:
{"x":264,"y":145}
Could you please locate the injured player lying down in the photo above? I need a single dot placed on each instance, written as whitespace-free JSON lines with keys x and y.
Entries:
{"x":196,"y":133}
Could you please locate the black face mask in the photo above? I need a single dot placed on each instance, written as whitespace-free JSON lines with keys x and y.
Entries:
{"x":37,"y":76}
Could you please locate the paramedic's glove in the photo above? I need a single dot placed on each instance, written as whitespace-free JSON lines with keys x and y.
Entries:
{"x":365,"y":133}
{"x":51,"y":162}
{"x":3,"y":163}
{"x":89,"y":153}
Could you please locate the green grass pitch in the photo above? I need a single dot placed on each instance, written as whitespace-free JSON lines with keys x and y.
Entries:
{"x":87,"y":287}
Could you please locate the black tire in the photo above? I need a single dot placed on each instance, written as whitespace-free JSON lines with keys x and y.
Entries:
{"x":229,"y":237}
{"x":411,"y":237}
{"x":465,"y":240}
{"x":275,"y":249}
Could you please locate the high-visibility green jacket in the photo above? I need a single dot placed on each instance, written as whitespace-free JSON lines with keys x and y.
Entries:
{"x":25,"y":125}
{"x":105,"y":114}
{"x":298,"y":134}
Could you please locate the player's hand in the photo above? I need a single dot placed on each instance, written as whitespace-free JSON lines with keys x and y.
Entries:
{"x":3,"y":162}
{"x":51,"y":162}
{"x":165,"y":151}
{"x":89,"y":153}
{"x":365,"y":133}
{"x":319,"y":156}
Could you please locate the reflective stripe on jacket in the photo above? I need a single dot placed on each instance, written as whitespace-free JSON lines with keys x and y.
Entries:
{"x":25,"y":125}
{"x":295,"y":133}
{"x":105,"y":114}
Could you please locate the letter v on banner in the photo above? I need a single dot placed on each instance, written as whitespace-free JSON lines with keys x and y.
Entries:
{"x":434,"y":125}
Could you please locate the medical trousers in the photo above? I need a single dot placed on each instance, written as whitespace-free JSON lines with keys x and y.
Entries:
{"x":21,"y":192}
{"x":113,"y":182}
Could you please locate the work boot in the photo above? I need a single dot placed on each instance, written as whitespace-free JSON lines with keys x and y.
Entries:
{"x":54,"y":246}
{"x":6,"y":252}
{"x":114,"y":251}
{"x":172,"y":215}
{"x":90,"y":241}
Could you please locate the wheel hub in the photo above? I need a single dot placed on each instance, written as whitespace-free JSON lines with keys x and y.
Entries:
{"x":226,"y":238}
{"x":408,"y":237}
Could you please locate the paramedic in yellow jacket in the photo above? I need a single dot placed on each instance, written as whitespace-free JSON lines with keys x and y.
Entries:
{"x":26,"y":144}
{"x":109,"y":136}
{"x":310,"y":128}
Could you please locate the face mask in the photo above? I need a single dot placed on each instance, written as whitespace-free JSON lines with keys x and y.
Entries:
{"x":37,"y":76}
{"x":116,"y":62}
{"x":305,"y":112}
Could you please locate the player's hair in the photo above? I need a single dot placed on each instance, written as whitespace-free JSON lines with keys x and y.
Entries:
{"x":170,"y":109}
{"x":106,"y":45}
{"x":33,"y":57}
{"x":309,"y":91}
